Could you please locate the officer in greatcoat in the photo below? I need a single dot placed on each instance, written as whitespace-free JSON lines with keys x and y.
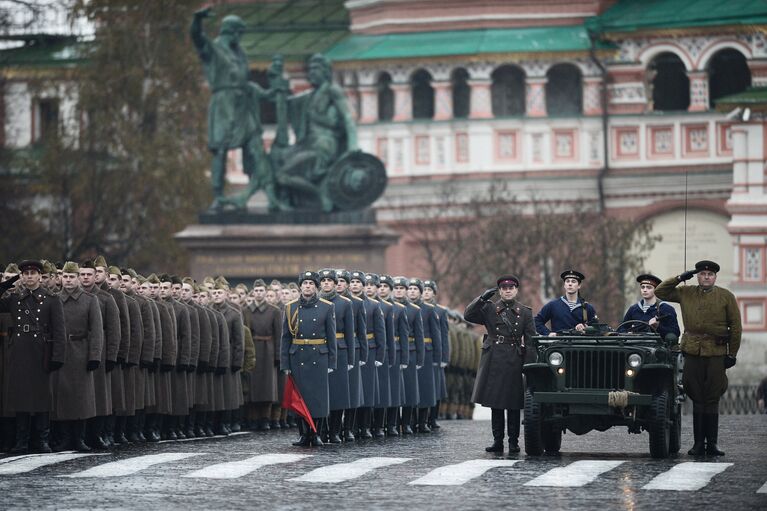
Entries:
{"x":360,"y":353}
{"x":73,"y":385}
{"x":399,"y":356}
{"x":383,"y":402}
{"x":416,"y":356}
{"x":308,"y":351}
{"x":430,"y":291}
{"x":36,"y":347}
{"x":499,"y":383}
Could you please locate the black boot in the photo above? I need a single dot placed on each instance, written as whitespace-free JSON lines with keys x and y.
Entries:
{"x":191,"y":420}
{"x":23,"y":426}
{"x":43,"y":430}
{"x":303,"y":432}
{"x":407,"y":417}
{"x":96,"y":427}
{"x":334,"y":433}
{"x":497,"y":423}
{"x":235,"y":424}
{"x":349,"y":424}
{"x":109,"y":431}
{"x":178,"y":426}
{"x":711,"y":425}
{"x":392,"y":414}
{"x":8,"y":425}
{"x":513,"y":430}
{"x":151,"y":428}
{"x":209,"y":421}
{"x":131,"y":429}
{"x":121,"y":423}
{"x":423,"y":414}
{"x":61,"y":436}
{"x":364,"y":423}
{"x":275,"y":424}
{"x":199,"y":426}
{"x":314,"y":437}
{"x":379,"y":416}
{"x":78,"y":433}
{"x":433,"y":417}
{"x":140,"y":421}
{"x":699,"y":435}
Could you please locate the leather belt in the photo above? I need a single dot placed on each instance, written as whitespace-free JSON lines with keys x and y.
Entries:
{"x":262,"y":338}
{"x":309,"y":341}
{"x":426,"y":340}
{"x":396,"y":338}
{"x":27,"y":329}
{"x":370,"y":336}
{"x":78,"y":337}
{"x":340,"y":335}
{"x":504,"y":339}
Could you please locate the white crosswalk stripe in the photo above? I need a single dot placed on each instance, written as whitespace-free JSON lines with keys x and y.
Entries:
{"x":579,"y":473}
{"x":235,"y":469}
{"x":132,"y":465}
{"x":29,"y":462}
{"x":346,"y":471}
{"x":687,"y":476}
{"x":460,"y":473}
{"x":763,"y":489}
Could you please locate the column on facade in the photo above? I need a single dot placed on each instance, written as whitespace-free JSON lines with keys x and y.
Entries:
{"x":698,"y":91}
{"x":368,"y":95}
{"x":443,"y":99}
{"x":403,"y":97}
{"x":592,"y":95}
{"x":758,"y":70}
{"x":535,"y":96}
{"x":480,"y":84}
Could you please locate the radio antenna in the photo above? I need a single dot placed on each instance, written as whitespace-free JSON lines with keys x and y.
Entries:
{"x":685,"y":220}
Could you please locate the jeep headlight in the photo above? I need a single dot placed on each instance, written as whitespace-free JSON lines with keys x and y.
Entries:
{"x":555,"y":358}
{"x":635,"y":360}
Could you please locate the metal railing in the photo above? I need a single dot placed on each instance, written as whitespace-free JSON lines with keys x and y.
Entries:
{"x":738,"y":400}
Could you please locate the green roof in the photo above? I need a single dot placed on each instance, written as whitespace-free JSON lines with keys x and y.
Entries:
{"x":294,"y":28}
{"x":45,"y":52}
{"x":637,"y":15}
{"x":461,"y":42}
{"x":754,"y":98}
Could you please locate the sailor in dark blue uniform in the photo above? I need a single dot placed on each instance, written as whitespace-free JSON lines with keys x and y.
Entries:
{"x":360,"y":355}
{"x":660,"y":315}
{"x":416,"y":353}
{"x":567,"y":312}
{"x":398,"y":353}
{"x":308,"y":351}
{"x":345,"y":344}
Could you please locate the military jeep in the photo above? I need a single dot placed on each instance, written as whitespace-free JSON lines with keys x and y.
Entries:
{"x":599,"y":379}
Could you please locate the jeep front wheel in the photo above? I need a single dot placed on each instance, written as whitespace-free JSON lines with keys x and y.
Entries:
{"x":533,"y":426}
{"x":675,"y":437}
{"x":658,"y":425}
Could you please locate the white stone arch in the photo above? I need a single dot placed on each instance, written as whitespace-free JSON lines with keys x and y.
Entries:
{"x":582,"y":67}
{"x":646,"y":55}
{"x":716,"y":46}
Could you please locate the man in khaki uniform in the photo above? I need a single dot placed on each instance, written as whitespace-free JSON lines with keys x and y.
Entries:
{"x":710,"y":344}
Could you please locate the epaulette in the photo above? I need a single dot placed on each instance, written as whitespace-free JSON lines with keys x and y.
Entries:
{"x":372,"y":300}
{"x":525,"y":306}
{"x":428,"y":304}
{"x":326,"y":301}
{"x":416,"y":306}
{"x":357,"y":298}
{"x":272,"y":305}
{"x":398,"y":304}
{"x":291,"y":302}
{"x":445,"y":308}
{"x":344,"y":298}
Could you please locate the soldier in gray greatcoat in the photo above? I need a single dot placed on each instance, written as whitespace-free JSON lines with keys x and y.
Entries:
{"x":308,"y":351}
{"x":360,"y":353}
{"x":73,"y":385}
{"x":345,"y":348}
{"x":416,"y":353}
{"x":212,"y":380}
{"x":144,"y":375}
{"x":235,"y":338}
{"x":36,"y":347}
{"x":200,"y":357}
{"x":498,"y":385}
{"x":429,"y":293}
{"x":180,"y":402}
{"x":399,"y":356}
{"x":386,"y":356}
{"x":168,"y":356}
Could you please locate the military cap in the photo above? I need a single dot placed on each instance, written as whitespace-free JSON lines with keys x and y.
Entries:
{"x":164,"y":277}
{"x":188,"y":280}
{"x":372,"y":278}
{"x":259,"y":283}
{"x":707,"y":266}
{"x":176,"y":280}
{"x":114,"y":270}
{"x":87,"y":265}
{"x":415,"y":282}
{"x":209,"y":282}
{"x":431,"y":284}
{"x":71,"y":267}
{"x":141,"y":279}
{"x":222,"y":284}
{"x":222,"y":279}
{"x":309,"y":275}
{"x":399,"y":281}
{"x":31,"y":264}
{"x":343,"y":274}
{"x":386,"y":279}
{"x":648,"y":278}
{"x":572,"y":274}
{"x":12,"y":268}
{"x":357,"y":275}
{"x":100,"y":261}
{"x":328,"y":273}
{"x":153,"y":279}
{"x":242,"y":287}
{"x":131,"y":272}
{"x":506,"y":280}
{"x":59,"y":265}
{"x":292,"y":285}
{"x":275,"y":282}
{"x":48,"y":267}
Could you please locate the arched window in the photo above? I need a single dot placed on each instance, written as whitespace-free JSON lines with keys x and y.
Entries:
{"x":728,"y":73}
{"x":508,"y":91}
{"x":461,"y":93}
{"x":670,"y":85}
{"x":268,"y":110}
{"x":422,"y":94}
{"x":564,"y":90}
{"x":385,"y":98}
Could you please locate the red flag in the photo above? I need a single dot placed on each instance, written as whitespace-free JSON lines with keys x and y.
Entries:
{"x":292,"y":400}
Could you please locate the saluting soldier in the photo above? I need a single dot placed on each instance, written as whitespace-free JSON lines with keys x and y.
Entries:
{"x":399,"y":356}
{"x":9,"y":281}
{"x":308,"y":351}
{"x":430,"y":291}
{"x":343,"y":278}
{"x":711,"y":340}
{"x":338,"y":380}
{"x":660,"y":315}
{"x":73,"y":385}
{"x":416,"y":353}
{"x":499,"y":384}
{"x":36,"y":347}
{"x":569,"y":311}
{"x":383,"y":402}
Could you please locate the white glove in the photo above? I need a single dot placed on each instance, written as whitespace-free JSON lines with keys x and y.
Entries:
{"x":362,"y":363}
{"x":329,"y":370}
{"x":443,"y":364}
{"x":403,"y":366}
{"x":378,"y":364}
{"x":350,"y":367}
{"x":418,"y":367}
{"x":286,"y":371}
{"x":435,"y":364}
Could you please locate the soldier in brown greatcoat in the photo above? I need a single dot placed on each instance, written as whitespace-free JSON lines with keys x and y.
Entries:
{"x":110,"y":317}
{"x":237,"y":301}
{"x":265,"y":323}
{"x":186,"y":365}
{"x":74,"y":390}
{"x":168,"y":355}
{"x":36,"y":347}
{"x":200,"y":358}
{"x":144,"y":357}
{"x":213,"y":376}
{"x":233,"y":327}
{"x":9,"y":280}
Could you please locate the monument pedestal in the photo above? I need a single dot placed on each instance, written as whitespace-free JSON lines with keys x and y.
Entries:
{"x":245,"y":246}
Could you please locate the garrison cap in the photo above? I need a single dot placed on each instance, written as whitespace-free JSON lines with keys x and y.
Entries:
{"x":188,"y":280}
{"x":176,"y":280}
{"x":357,"y":275}
{"x":309,"y":275}
{"x":31,"y":264}
{"x":707,"y":266}
{"x":430,"y":284}
{"x":649,"y":278}
{"x":572,"y":274}
{"x":292,"y":285}
{"x":141,"y":279}
{"x":386,"y":279}
{"x":132,"y":273}
{"x":328,"y":273}
{"x":87,"y":265}
{"x":71,"y":267}
{"x":12,"y":268}
{"x":343,"y":274}
{"x":209,"y":282}
{"x":48,"y":267}
{"x":100,"y":261}
{"x":153,"y":279}
{"x":275,"y":282}
{"x":241,"y":287}
{"x":372,"y":278}
{"x":415,"y":282}
{"x":506,"y":280}
{"x":399,"y":282}
{"x":221,"y":284}
{"x":114,"y":270}
{"x":259,"y":283}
